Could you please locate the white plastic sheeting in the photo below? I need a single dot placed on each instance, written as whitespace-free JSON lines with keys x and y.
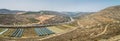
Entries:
{"x":3,"y":31}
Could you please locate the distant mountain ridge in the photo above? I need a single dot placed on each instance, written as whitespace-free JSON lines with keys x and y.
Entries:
{"x":7,"y":11}
{"x":77,"y":15}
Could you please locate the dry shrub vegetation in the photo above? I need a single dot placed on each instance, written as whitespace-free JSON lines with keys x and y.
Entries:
{"x":95,"y":33}
{"x":21,"y":19}
{"x":94,"y":27}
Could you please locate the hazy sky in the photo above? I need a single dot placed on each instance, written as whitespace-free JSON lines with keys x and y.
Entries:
{"x":58,"y":5}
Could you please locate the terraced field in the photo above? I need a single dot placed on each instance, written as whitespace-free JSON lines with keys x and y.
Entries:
{"x":17,"y":33}
{"x":43,"y":31}
{"x":29,"y":32}
{"x":61,"y":28}
{"x":7,"y":33}
{"x":34,"y":32}
{"x":2,"y":30}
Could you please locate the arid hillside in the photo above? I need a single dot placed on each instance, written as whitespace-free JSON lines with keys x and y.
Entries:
{"x":21,"y":19}
{"x":101,"y":26}
{"x":16,"y":19}
{"x":108,"y":15}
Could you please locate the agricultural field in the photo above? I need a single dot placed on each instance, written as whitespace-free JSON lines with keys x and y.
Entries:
{"x":35,"y":32}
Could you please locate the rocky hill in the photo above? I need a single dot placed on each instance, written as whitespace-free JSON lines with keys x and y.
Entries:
{"x":49,"y":17}
{"x":44,"y":17}
{"x":12,"y":19}
{"x":108,"y":15}
{"x":100,"y":26}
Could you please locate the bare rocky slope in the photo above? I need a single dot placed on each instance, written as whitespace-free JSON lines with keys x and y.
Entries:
{"x":34,"y":17}
{"x":101,"y":25}
{"x":16,"y":19}
{"x":104,"y":24}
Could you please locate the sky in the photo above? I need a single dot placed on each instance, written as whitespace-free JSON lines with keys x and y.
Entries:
{"x":58,"y":5}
